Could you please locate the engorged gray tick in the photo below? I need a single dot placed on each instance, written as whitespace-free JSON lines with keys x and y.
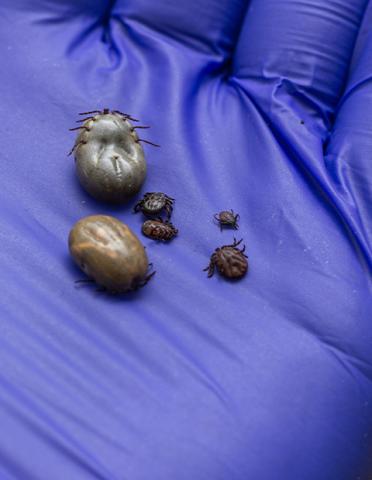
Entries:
{"x":109,"y":158}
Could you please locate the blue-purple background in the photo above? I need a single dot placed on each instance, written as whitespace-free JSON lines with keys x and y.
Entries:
{"x":257,"y":109}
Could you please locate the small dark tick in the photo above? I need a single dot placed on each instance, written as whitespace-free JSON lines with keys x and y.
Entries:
{"x":227,"y":219}
{"x":157,"y":229}
{"x":153,"y":203}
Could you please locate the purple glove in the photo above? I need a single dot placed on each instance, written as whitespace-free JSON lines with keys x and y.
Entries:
{"x":260,"y":107}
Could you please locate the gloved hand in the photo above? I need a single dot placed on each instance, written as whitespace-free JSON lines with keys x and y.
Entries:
{"x":258,"y":106}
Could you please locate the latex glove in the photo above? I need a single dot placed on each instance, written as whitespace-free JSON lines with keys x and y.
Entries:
{"x":191,"y":378}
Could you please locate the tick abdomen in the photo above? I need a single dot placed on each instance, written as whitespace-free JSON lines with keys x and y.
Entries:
{"x":153,"y":206}
{"x":231,"y":262}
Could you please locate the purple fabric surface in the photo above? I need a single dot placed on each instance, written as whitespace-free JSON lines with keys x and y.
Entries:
{"x":257,"y":109}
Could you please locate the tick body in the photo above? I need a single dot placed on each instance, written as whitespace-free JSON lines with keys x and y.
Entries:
{"x":227,"y":219}
{"x":109,"y":158}
{"x":109,"y":253}
{"x":154,"y":203}
{"x":159,"y":230}
{"x":230,"y":261}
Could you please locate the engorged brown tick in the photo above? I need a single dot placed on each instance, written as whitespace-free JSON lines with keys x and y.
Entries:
{"x":109,"y":253}
{"x":230,"y":261}
{"x":227,"y":219}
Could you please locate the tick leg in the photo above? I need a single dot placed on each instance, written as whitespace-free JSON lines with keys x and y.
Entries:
{"x":83,"y":142}
{"x":146,"y":280}
{"x":93,"y":111}
{"x":140,"y":126}
{"x":80,"y":128}
{"x":218,"y":221}
{"x":83,"y":282}
{"x":169,"y":210}
{"x":149,"y":276}
{"x":84,"y":119}
{"x":126,"y":115}
{"x":137,"y":208}
{"x":72,"y":150}
{"x":210,"y":268}
{"x":235,"y":244}
{"x":147,"y":141}
{"x":121,"y":113}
